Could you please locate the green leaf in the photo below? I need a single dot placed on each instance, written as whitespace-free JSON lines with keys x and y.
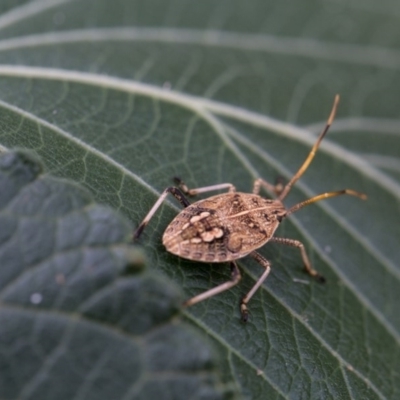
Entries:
{"x":124,"y":95}
{"x":70,"y":325}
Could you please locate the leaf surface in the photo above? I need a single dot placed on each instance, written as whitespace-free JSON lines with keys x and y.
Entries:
{"x":122,"y":96}
{"x":73,"y":322}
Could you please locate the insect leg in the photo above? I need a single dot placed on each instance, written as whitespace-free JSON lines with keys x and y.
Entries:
{"x":194,"y":192}
{"x":258,"y":183}
{"x":264,"y":263}
{"x":172,"y":190}
{"x":235,"y":278}
{"x":307,"y":264}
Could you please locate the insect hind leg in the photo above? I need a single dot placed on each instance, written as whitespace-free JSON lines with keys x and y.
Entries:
{"x":235,"y":278}
{"x":264,"y":263}
{"x":177,"y":193}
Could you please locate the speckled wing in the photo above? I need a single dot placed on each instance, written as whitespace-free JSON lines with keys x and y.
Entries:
{"x":224,"y":227}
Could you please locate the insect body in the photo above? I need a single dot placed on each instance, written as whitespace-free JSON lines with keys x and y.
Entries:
{"x":224,"y":227}
{"x":229,"y":226}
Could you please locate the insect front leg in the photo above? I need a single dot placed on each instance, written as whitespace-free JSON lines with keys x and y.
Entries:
{"x":235,"y":278}
{"x":276,"y":189}
{"x":264,"y":263}
{"x":169,"y":190}
{"x":307,"y":264}
{"x":205,"y":189}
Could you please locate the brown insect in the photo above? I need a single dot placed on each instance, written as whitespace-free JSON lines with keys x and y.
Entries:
{"x":233,"y":225}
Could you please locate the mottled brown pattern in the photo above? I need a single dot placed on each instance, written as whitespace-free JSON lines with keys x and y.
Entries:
{"x":224,"y":227}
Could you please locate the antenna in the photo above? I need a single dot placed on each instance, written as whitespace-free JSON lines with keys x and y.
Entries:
{"x":311,"y":155}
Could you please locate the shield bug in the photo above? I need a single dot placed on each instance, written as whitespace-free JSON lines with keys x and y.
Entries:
{"x":232,"y":225}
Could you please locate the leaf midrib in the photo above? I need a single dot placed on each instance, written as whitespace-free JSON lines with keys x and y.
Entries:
{"x":354,"y":54}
